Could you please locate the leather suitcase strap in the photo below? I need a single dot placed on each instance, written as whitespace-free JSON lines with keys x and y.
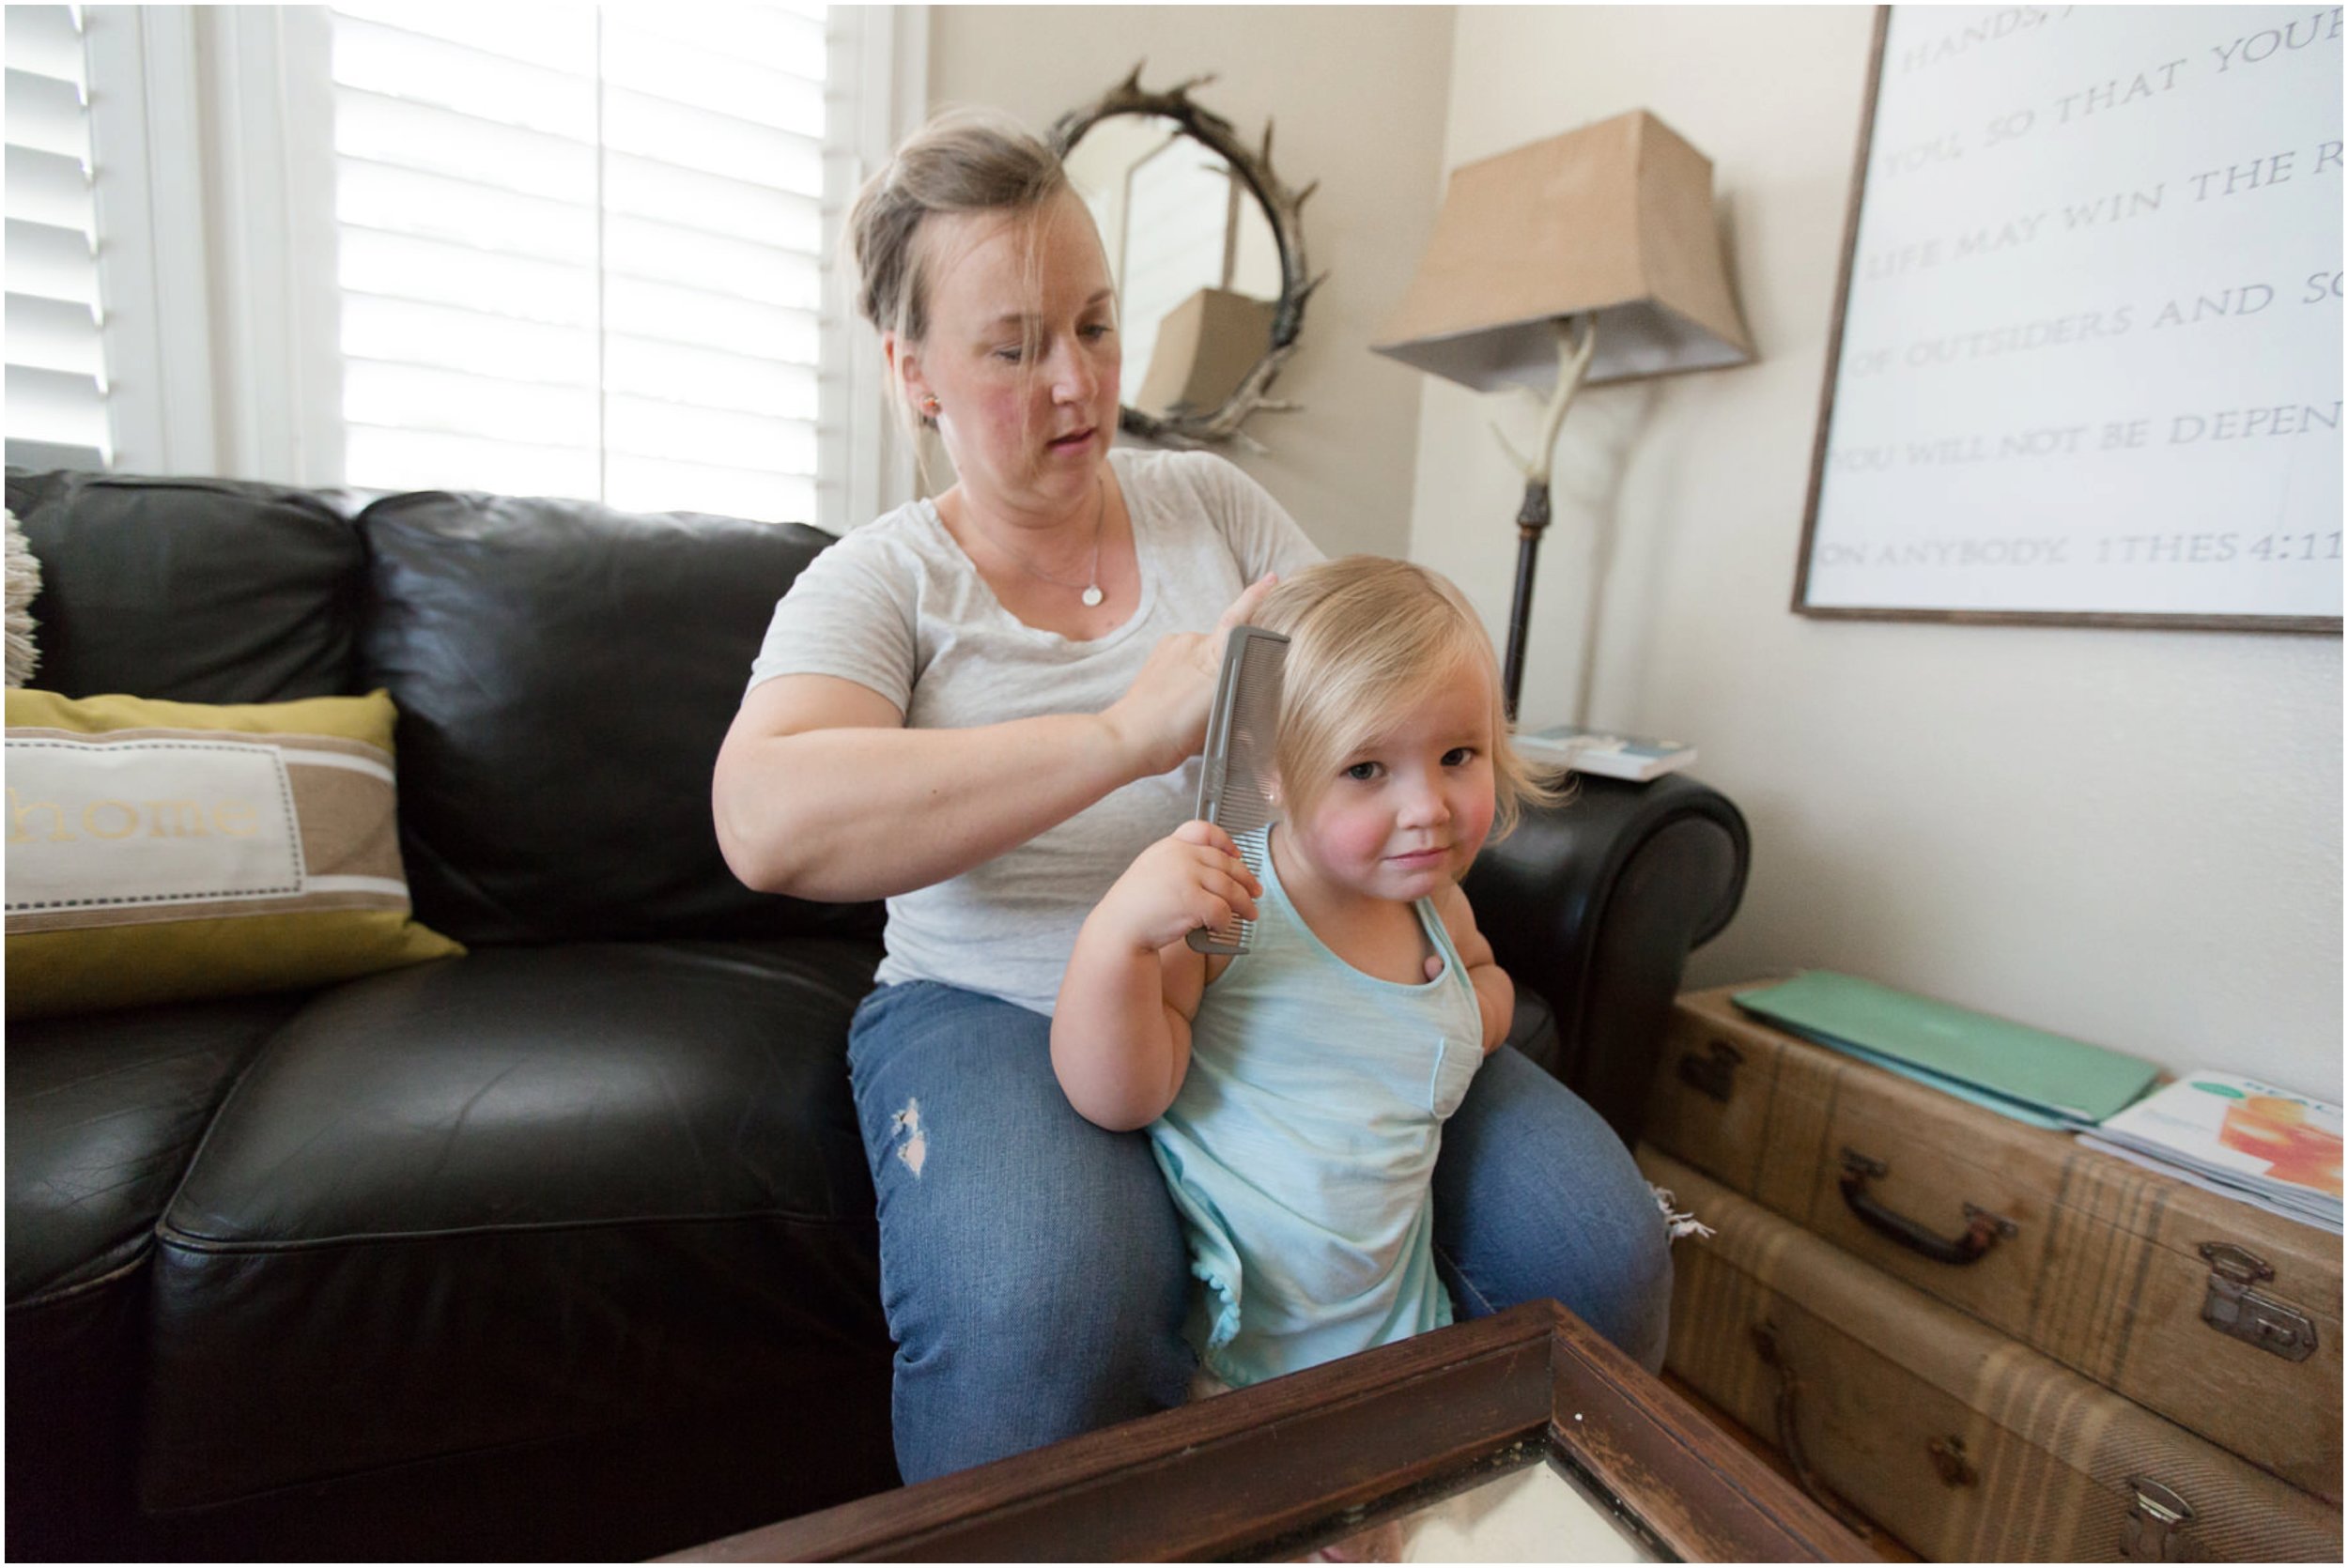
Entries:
{"x":2222,"y":1317}
{"x":1965,"y":1444}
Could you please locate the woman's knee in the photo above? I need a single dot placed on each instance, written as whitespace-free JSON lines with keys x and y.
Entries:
{"x":1088,"y":1313}
{"x":1034,"y":1329}
{"x":1630,"y":1289}
{"x":1021,"y":1249}
{"x":1537,"y":1197}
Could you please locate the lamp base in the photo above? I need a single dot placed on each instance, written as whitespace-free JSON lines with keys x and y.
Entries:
{"x":1531,"y":518}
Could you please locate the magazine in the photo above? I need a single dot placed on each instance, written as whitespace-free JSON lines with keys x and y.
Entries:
{"x":1601,"y":751}
{"x":2271,"y":1147}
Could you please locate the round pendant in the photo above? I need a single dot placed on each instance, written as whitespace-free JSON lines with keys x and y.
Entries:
{"x":1093,"y":596}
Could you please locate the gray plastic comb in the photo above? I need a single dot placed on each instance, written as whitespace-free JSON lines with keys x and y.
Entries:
{"x":1235,"y":785}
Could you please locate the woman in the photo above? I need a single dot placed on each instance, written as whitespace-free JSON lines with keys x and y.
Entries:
{"x":983,"y":708}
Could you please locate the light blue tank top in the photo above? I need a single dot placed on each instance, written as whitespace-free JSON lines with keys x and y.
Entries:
{"x":1301,"y":1148}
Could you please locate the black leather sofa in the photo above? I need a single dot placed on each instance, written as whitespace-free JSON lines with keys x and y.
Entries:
{"x":564,"y":1248}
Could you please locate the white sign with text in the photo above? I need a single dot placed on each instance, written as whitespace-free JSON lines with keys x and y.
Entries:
{"x":2091,"y":347}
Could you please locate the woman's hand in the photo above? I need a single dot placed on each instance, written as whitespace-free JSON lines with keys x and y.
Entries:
{"x":1192,"y":879}
{"x":1162,"y":716}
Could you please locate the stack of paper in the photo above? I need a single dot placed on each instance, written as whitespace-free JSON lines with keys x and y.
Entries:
{"x":2045,"y":1079}
{"x":2238,"y":1136}
{"x":1632,"y":757}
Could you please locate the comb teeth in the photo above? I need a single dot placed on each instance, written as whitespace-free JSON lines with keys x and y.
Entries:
{"x":1235,"y":783}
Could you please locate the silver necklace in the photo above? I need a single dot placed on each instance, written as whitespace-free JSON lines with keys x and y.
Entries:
{"x":1091,"y":594}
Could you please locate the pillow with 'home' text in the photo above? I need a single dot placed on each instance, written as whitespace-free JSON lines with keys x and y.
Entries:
{"x":164,"y":850}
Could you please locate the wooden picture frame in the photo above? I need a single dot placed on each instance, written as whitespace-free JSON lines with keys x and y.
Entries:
{"x":2123,"y":510}
{"x":1271,"y":1471}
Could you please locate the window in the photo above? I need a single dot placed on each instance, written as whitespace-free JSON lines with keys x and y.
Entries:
{"x":576,"y":250}
{"x":579,"y":250}
{"x":57,"y":373}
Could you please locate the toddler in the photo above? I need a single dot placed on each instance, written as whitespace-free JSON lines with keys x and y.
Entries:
{"x":1295,"y":1095}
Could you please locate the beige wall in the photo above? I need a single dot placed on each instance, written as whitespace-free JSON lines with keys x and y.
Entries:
{"x":2129,"y":837}
{"x":1358,"y":96}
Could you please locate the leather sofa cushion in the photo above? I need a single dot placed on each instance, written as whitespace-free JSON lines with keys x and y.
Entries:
{"x":580,"y":1084}
{"x":564,"y":675}
{"x":195,"y":589}
{"x":104,"y":1111}
{"x":511,"y":1199}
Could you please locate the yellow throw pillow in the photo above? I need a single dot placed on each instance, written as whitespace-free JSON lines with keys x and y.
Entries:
{"x":161,"y":850}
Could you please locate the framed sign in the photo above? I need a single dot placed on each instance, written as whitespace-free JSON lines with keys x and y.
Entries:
{"x":2085,"y":364}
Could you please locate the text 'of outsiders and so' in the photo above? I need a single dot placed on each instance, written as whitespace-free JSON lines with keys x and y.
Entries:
{"x":2083,"y":328}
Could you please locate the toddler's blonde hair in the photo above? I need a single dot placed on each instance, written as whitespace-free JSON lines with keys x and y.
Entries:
{"x":1367,"y":637}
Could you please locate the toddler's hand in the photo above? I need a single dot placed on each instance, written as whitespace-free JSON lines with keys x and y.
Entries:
{"x":1434,"y":966}
{"x":1191,"y":879}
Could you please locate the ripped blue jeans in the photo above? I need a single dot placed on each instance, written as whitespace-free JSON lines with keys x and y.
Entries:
{"x":1032,"y":1265}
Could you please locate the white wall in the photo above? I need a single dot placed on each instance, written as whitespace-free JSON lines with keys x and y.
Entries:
{"x":1357,"y":93}
{"x":2129,"y":837}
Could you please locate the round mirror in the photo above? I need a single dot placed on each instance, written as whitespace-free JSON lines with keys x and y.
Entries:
{"x":1205,"y":251}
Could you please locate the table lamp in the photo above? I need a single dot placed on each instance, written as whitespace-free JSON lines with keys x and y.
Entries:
{"x":1587,"y":258}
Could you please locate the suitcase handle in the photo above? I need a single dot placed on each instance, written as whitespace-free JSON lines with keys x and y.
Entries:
{"x":1766,"y":1345}
{"x":1983,"y":1229}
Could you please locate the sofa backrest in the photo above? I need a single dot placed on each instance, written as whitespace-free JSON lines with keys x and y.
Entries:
{"x":191,"y":590}
{"x":564,"y":673}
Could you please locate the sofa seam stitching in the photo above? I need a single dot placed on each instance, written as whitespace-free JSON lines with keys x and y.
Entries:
{"x":169,"y":1235}
{"x":54,"y":1296}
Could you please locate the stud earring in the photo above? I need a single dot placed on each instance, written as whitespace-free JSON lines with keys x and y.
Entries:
{"x":929,"y":407}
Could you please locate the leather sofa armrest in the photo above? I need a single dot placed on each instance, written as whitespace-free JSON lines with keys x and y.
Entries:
{"x":1596,"y":904}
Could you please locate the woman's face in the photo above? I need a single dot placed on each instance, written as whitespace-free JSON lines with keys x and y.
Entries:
{"x":1021,"y":354}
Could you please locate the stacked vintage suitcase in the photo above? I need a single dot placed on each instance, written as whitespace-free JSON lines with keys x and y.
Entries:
{"x":1993,"y":1343}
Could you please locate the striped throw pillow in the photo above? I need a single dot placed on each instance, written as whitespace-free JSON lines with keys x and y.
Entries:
{"x":162,"y":851}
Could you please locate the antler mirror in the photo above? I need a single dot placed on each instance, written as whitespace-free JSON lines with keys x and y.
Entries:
{"x":1207,"y":249}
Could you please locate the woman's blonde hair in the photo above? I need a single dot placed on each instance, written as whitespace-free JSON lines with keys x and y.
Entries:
{"x":963,"y":161}
{"x":1367,"y":637}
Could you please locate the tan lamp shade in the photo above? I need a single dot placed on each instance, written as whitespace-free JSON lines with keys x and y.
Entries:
{"x":1613,"y":219}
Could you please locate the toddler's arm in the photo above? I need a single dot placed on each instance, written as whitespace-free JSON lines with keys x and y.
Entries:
{"x":1120,"y":1032}
{"x":1495,"y":993}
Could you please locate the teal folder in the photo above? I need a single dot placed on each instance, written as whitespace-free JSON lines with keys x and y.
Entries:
{"x":2025,"y":1072}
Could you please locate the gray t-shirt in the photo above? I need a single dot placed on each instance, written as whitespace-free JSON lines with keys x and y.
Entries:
{"x":896,"y":606}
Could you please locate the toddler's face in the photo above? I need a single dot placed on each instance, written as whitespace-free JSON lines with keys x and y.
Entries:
{"x":1406,"y":812}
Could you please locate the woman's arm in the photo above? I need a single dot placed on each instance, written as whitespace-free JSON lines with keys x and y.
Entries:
{"x":1120,"y":1030}
{"x":822,"y":792}
{"x":1495,"y":993}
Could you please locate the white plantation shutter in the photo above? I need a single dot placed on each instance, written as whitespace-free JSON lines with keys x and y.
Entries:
{"x":56,"y":374}
{"x":579,"y":250}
